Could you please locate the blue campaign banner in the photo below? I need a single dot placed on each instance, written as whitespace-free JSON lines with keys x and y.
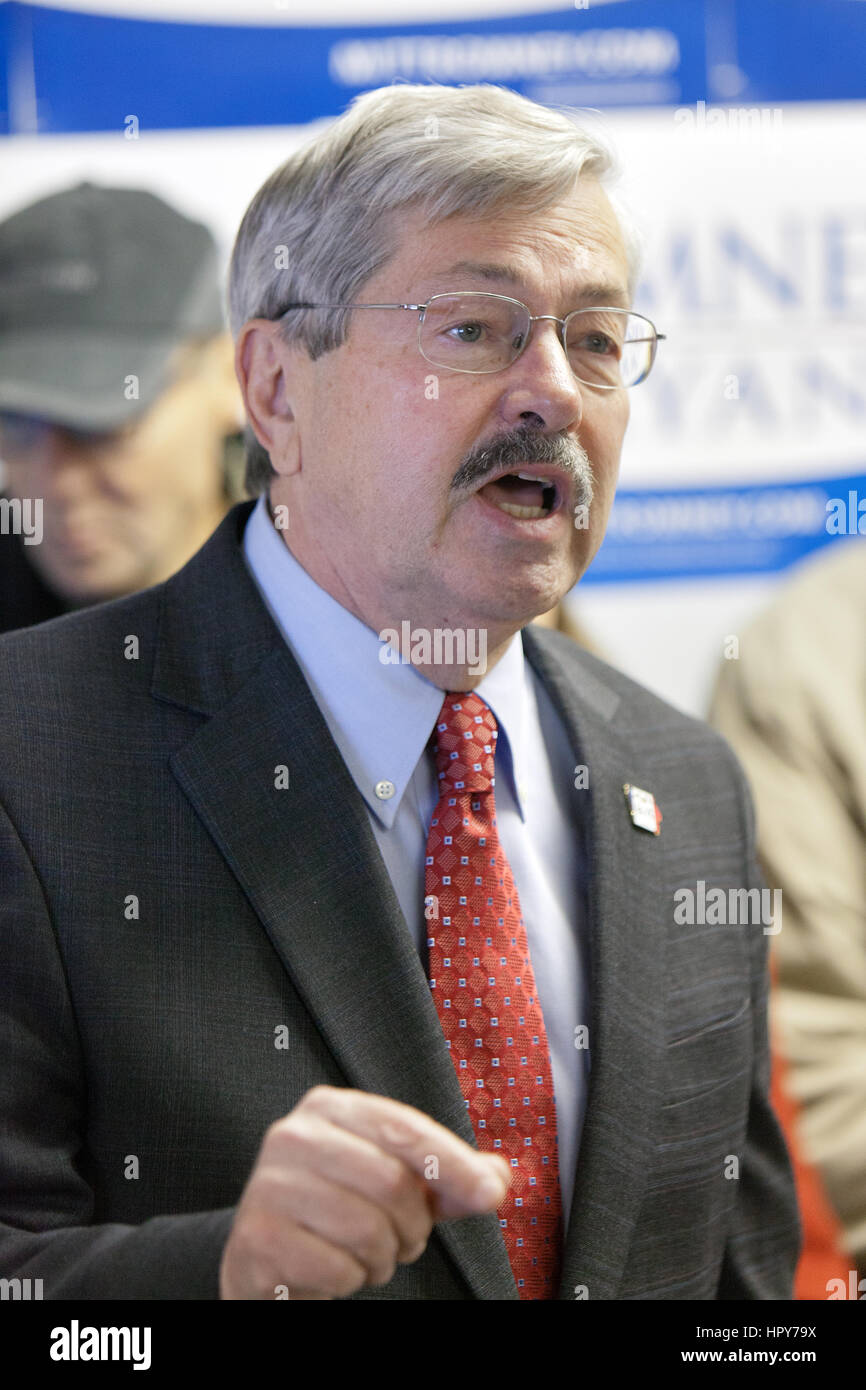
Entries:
{"x":688,"y":533}
{"x":808,"y":50}
{"x":64,"y":71}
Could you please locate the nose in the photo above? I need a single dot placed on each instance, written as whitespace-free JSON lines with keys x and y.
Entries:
{"x":540,"y":381}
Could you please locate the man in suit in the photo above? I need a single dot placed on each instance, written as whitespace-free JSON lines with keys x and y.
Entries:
{"x":297,"y":1004}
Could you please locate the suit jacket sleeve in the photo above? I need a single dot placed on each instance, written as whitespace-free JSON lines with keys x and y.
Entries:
{"x":759,"y":1261}
{"x":47,"y":1205}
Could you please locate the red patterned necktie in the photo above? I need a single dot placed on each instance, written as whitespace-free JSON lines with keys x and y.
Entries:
{"x":484,"y":989}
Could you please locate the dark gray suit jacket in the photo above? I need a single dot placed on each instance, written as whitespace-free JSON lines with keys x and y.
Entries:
{"x":165,"y":909}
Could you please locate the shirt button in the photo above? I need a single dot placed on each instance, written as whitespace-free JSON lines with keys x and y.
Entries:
{"x":385,"y":790}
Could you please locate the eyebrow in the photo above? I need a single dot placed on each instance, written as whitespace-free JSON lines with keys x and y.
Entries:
{"x":595,"y":293}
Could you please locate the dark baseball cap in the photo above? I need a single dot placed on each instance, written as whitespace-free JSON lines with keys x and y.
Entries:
{"x":98,"y":286}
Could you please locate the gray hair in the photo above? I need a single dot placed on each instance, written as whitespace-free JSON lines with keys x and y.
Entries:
{"x":321,"y":225}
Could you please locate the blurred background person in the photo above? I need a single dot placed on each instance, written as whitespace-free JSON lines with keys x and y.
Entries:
{"x":119,"y":409}
{"x":563,"y":619}
{"x":793,"y":706}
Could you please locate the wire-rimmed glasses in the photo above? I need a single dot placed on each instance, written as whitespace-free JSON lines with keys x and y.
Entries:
{"x":478,"y":332}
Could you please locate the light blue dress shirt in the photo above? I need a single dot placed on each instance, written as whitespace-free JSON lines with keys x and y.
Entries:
{"x":381,"y":717}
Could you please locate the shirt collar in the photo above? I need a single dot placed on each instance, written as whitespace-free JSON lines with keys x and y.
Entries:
{"x":380,"y":715}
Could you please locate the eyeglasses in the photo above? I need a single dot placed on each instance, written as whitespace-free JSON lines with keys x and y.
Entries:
{"x":477,"y":332}
{"x":23,"y":434}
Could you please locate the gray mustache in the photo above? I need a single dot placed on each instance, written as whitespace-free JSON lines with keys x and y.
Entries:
{"x":521,"y":449}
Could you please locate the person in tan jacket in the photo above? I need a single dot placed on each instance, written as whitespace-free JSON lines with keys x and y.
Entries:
{"x":793,"y":706}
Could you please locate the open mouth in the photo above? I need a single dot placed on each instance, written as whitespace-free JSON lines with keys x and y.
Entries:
{"x":522,"y":495}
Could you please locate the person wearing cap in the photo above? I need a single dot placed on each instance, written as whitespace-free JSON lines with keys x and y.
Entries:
{"x":117,"y":398}
{"x":341,"y":946}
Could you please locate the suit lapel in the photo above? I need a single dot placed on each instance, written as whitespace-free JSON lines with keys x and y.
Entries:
{"x":626,"y":902}
{"x":307,"y":860}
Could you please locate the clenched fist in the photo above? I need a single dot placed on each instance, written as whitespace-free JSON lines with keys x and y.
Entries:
{"x":338,"y":1198}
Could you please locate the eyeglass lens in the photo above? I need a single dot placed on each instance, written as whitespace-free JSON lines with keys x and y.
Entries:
{"x":23,"y":434}
{"x":483,"y":333}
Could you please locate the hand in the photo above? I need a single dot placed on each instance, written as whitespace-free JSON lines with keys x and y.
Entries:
{"x":338,"y":1196}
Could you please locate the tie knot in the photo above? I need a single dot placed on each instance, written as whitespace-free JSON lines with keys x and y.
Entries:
{"x":464,"y":742}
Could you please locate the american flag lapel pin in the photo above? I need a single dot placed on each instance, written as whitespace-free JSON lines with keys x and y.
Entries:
{"x":642,"y":809}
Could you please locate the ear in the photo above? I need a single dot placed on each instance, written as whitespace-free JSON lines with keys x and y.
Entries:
{"x":266,"y":372}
